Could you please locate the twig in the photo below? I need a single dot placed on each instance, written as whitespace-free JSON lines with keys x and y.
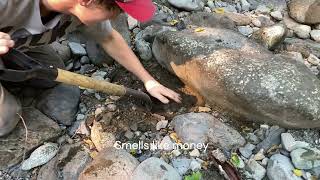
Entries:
{"x":25,"y":142}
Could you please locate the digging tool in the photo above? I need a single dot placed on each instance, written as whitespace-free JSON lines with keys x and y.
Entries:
{"x":22,"y":68}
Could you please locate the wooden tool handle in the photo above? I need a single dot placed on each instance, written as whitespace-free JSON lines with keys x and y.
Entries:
{"x":90,"y":83}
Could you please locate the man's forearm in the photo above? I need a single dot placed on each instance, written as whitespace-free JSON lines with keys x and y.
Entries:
{"x":117,"y":48}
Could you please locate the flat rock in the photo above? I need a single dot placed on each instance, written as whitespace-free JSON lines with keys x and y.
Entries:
{"x":77,"y":49}
{"x":182,"y":165}
{"x":40,"y":129}
{"x":110,"y":164}
{"x":202,"y":128}
{"x":305,"y":158}
{"x":305,"y":11}
{"x":315,"y":35}
{"x":302,"y":31}
{"x":60,"y":103}
{"x":273,"y":138}
{"x":202,"y":19}
{"x":241,"y":76}
{"x":280,"y":168}
{"x":257,"y":171}
{"x":239,"y":19}
{"x":62,"y":50}
{"x":189,"y":5}
{"x":305,"y":47}
{"x":155,"y":169}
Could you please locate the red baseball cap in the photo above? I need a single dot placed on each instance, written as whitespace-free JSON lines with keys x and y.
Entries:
{"x":141,"y":10}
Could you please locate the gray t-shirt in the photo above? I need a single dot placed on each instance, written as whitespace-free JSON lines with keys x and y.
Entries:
{"x":22,"y":20}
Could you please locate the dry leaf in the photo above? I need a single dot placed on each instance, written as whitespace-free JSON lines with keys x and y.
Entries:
{"x":219,"y":10}
{"x":173,"y":22}
{"x":175,"y":137}
{"x":297,"y":172}
{"x":199,"y":30}
{"x":204,"y":109}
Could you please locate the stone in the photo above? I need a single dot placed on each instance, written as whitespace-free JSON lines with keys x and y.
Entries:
{"x":230,"y":8}
{"x":265,"y":20}
{"x":176,"y":152}
{"x":287,"y":141}
{"x":252,"y":138}
{"x":245,"y":30}
{"x":166,"y":144}
{"x":63,"y":51}
{"x":277,"y":15}
{"x":110,"y":164}
{"x":271,"y":36}
{"x":295,"y":56}
{"x":40,"y":156}
{"x":76,"y":165}
{"x":314,"y":60}
{"x":188,"y":5}
{"x":111,"y":107}
{"x":156,"y":169}
{"x":40,"y":129}
{"x":280,"y":168}
{"x":264,"y":162}
{"x":315,"y":35}
{"x":207,"y":10}
{"x":101,"y":137}
{"x":316,"y":171}
{"x":195,"y":165}
{"x":263,"y":9}
{"x":132,"y":22}
{"x":305,"y":11}
{"x":129,"y":134}
{"x":305,"y":158}
{"x":239,"y":19}
{"x":259,"y":156}
{"x":211,"y":4}
{"x":274,"y":4}
{"x":246,"y":151}
{"x":256,"y":22}
{"x":245,"y":6}
{"x":300,"y":144}
{"x":84,"y":60}
{"x":257,"y":171}
{"x":218,"y":154}
{"x":203,"y":128}
{"x":80,"y":117}
{"x":305,"y":47}
{"x":217,"y":58}
{"x":273,"y":138}
{"x":77,"y":49}
{"x":161,"y":125}
{"x":202,"y":19}
{"x":302,"y":31}
{"x":182,"y":165}
{"x":194,"y":153}
{"x":144,"y":49}
{"x":60,"y":103}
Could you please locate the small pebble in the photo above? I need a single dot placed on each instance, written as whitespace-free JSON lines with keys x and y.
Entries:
{"x":161,"y":125}
{"x":195,"y":153}
{"x":176,"y":152}
{"x":129,"y":134}
{"x":111,"y":107}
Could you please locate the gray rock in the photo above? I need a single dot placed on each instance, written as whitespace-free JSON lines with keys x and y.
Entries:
{"x":211,"y":4}
{"x":305,"y":47}
{"x":40,"y":130}
{"x":60,"y":103}
{"x":110,"y":164}
{"x":195,"y":165}
{"x":77,"y":49}
{"x":316,"y":171}
{"x":161,"y":125}
{"x":207,"y":10}
{"x":132,"y":23}
{"x":129,"y":134}
{"x":245,"y":6}
{"x":256,"y":22}
{"x":252,"y":138}
{"x":214,"y":20}
{"x":239,"y":19}
{"x":265,"y":20}
{"x":212,"y":57}
{"x":315,"y":35}
{"x":218,"y":154}
{"x":189,"y":5}
{"x":144,"y":49}
{"x":273,"y":138}
{"x":246,"y":151}
{"x":287,"y":141}
{"x":166,"y":144}
{"x":245,"y":30}
{"x":271,"y":36}
{"x":62,"y":50}
{"x":76,"y":165}
{"x":302,"y":31}
{"x":182,"y":165}
{"x":314,"y":60}
{"x":203,"y":127}
{"x":84,"y":60}
{"x":230,"y":8}
{"x":295,"y":56}
{"x":305,"y":158}
{"x":257,"y":171}
{"x":263,"y":9}
{"x":277,"y":15}
{"x":156,"y":169}
{"x":40,"y":156}
{"x":305,"y":11}
{"x":280,"y":168}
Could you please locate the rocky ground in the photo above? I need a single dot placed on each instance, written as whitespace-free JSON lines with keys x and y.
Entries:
{"x":74,"y":132}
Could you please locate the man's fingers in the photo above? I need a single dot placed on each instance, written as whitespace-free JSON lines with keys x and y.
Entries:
{"x":5,"y":36}
{"x":161,"y":98}
{"x":3,"y":49}
{"x":5,"y":42}
{"x":172,"y":95}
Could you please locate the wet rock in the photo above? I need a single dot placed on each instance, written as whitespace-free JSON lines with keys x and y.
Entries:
{"x":110,"y":164}
{"x":212,"y":57}
{"x":203,"y":127}
{"x":305,"y":158}
{"x":305,"y":11}
{"x":40,"y":156}
{"x":277,"y":15}
{"x":101,"y":137}
{"x":189,"y":5}
{"x":315,"y":35}
{"x":245,"y":30}
{"x":271,"y":36}
{"x":302,"y":31}
{"x":246,"y":151}
{"x":63,"y":51}
{"x":182,"y":165}
{"x":272,"y":139}
{"x":257,"y":171}
{"x":40,"y":130}
{"x":305,"y":47}
{"x":77,"y":49}
{"x":60,"y":103}
{"x":156,"y":169}
{"x":280,"y":168}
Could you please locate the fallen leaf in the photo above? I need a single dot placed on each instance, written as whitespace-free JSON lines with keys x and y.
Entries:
{"x":297,"y":172}
{"x":173,"y":22}
{"x":219,"y":10}
{"x":93,"y":154}
{"x":204,"y":109}
{"x":235,"y":159}
{"x":199,"y":29}
{"x":175,"y":137}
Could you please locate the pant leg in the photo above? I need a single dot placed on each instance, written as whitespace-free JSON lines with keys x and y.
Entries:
{"x":9,"y":107}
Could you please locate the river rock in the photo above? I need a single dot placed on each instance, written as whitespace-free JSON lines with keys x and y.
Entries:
{"x":202,"y":128}
{"x":182,"y":165}
{"x":305,"y":47}
{"x":227,"y":72}
{"x":305,"y":158}
{"x":271,"y":36}
{"x":315,"y":35}
{"x":62,"y":50}
{"x":77,"y":49}
{"x":101,"y":137}
{"x":305,"y":11}
{"x":280,"y":168}
{"x":110,"y":164}
{"x":155,"y":169}
{"x":257,"y":171}
{"x":189,"y":5}
{"x":202,"y":19}
{"x":302,"y":31}
{"x":273,"y":138}
{"x":277,"y":15}
{"x":60,"y":103}
{"x":40,"y":130}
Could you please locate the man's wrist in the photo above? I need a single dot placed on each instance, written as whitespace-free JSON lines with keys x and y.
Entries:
{"x":151,"y":84}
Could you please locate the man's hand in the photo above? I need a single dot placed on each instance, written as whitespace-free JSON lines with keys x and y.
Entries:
{"x":5,"y":43}
{"x":160,"y":92}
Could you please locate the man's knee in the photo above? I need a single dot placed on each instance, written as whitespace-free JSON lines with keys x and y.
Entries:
{"x":9,"y":109}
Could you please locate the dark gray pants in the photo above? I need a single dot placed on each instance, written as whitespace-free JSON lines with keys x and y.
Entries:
{"x":9,"y":105}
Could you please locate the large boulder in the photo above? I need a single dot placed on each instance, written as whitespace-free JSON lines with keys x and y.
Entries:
{"x":305,"y":11}
{"x":241,"y":76}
